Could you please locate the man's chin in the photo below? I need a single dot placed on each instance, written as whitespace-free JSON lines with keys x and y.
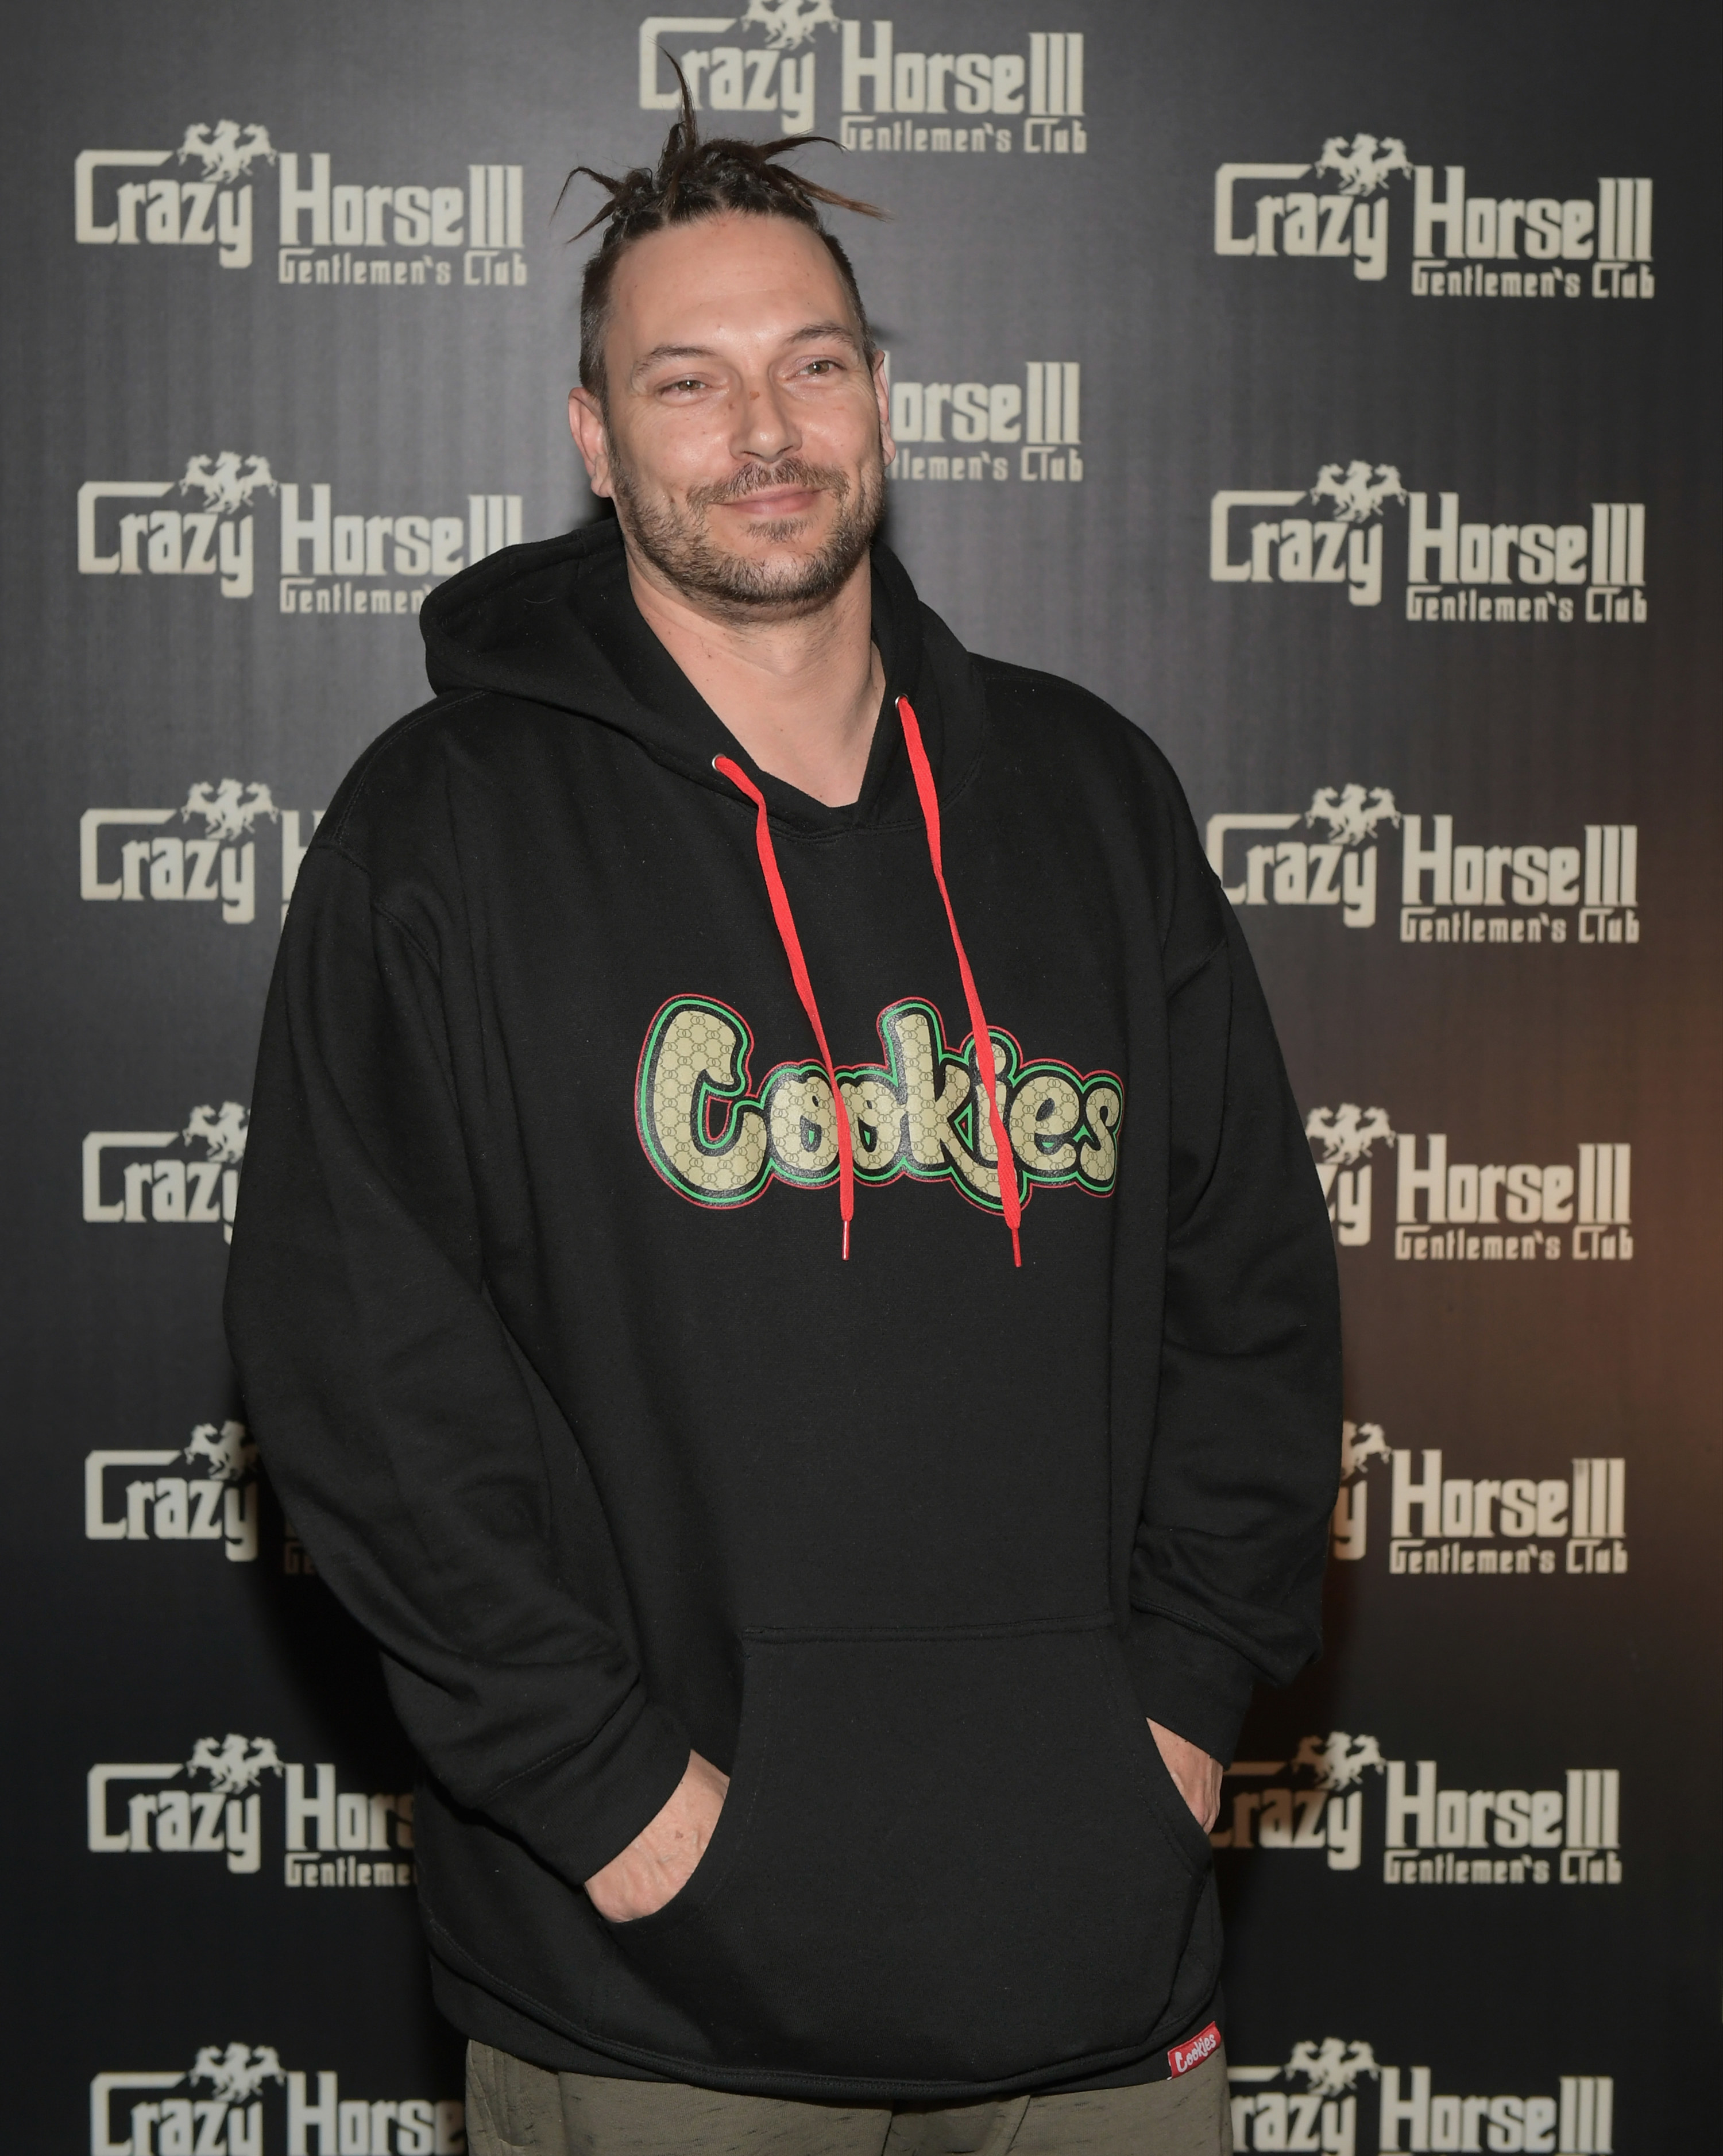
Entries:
{"x":769,"y":578}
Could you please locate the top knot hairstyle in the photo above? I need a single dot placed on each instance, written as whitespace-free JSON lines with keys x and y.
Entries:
{"x":694,"y":179}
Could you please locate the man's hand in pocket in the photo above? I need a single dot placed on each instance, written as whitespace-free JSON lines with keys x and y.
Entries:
{"x":660,"y":1861}
{"x":1195,"y":1774}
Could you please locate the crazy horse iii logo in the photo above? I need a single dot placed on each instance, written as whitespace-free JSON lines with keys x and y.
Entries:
{"x":921,"y":1112}
{"x":1317,"y":1802}
{"x":350,"y":233}
{"x":1520,"y":895}
{"x":329,"y":1836}
{"x":889,"y":99}
{"x":256,"y":2107}
{"x":331,"y":560}
{"x":1483,"y":246}
{"x":1472,"y":1211}
{"x":1271,"y":2111}
{"x":1477,"y":570}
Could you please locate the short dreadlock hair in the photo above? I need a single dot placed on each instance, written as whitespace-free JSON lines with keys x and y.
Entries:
{"x":694,"y":179}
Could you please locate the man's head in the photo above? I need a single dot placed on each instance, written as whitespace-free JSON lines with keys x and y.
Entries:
{"x":730,"y":400}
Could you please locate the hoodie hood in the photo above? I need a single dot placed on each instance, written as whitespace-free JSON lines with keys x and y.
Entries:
{"x":556,"y":623}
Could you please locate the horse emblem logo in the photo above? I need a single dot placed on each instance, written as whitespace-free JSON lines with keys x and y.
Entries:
{"x":1365,"y":164}
{"x":1351,"y":814}
{"x":238,"y":2073}
{"x":228,"y":1454}
{"x":1346,"y":1133}
{"x":1338,"y":1761}
{"x":1359,"y":492}
{"x":234,"y":1763}
{"x":1360,"y":1443}
{"x":227,"y":482}
{"x":225,"y":151}
{"x":229,"y":810}
{"x":1331,"y":2069}
{"x":223,"y":1133}
{"x":789,"y":22}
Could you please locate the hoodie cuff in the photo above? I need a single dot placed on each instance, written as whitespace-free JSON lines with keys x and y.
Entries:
{"x":1196,"y":1685}
{"x":576,"y":1812}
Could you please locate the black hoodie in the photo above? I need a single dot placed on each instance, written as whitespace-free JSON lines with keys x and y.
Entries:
{"x":539,"y":1299}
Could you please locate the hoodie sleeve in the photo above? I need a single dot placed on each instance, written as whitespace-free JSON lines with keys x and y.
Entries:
{"x":402,"y":1428}
{"x":1226,"y":1575}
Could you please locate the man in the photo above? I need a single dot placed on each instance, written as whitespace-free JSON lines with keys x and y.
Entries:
{"x":821,"y":1574}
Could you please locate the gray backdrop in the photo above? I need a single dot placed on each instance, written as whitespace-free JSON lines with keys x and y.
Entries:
{"x":1331,"y":388}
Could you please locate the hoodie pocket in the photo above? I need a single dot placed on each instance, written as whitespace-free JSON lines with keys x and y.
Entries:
{"x":951,"y":1857}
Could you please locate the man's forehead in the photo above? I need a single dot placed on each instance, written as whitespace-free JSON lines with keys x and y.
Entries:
{"x":693,"y":285}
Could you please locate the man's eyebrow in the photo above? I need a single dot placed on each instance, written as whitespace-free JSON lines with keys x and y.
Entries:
{"x":817,"y":330}
{"x":671,"y":351}
{"x":811,"y":332}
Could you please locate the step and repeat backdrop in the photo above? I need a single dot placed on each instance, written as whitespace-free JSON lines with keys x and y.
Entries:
{"x":1330,"y":387}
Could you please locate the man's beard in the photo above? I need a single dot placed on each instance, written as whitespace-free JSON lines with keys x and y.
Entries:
{"x":676,"y":538}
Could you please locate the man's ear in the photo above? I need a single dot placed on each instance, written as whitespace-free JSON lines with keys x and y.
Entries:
{"x":586,"y":423}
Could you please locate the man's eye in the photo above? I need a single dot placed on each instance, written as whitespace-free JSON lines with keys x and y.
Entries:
{"x":821,"y":366}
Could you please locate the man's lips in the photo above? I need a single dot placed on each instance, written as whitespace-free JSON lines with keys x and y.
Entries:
{"x":777,"y":502}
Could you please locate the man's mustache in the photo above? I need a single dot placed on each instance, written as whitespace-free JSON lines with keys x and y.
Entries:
{"x":767,"y":479}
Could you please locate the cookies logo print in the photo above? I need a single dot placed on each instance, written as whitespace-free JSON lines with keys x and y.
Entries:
{"x":716,"y":1141}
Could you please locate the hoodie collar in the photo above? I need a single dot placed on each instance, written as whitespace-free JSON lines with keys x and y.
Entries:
{"x":556,"y":623}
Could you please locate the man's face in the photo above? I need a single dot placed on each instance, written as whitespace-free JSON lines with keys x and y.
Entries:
{"x":744,"y":435}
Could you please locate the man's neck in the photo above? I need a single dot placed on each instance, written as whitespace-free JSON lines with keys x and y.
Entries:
{"x":802,"y":696}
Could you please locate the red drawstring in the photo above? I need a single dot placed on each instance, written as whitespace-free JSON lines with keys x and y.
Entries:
{"x":1004,"y":1160}
{"x":928,"y":795}
{"x":792,"y":942}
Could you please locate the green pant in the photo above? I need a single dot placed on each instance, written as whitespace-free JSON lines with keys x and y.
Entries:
{"x":514,"y":2109}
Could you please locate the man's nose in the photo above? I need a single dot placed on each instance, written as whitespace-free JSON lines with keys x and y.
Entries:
{"x":766,"y":426}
